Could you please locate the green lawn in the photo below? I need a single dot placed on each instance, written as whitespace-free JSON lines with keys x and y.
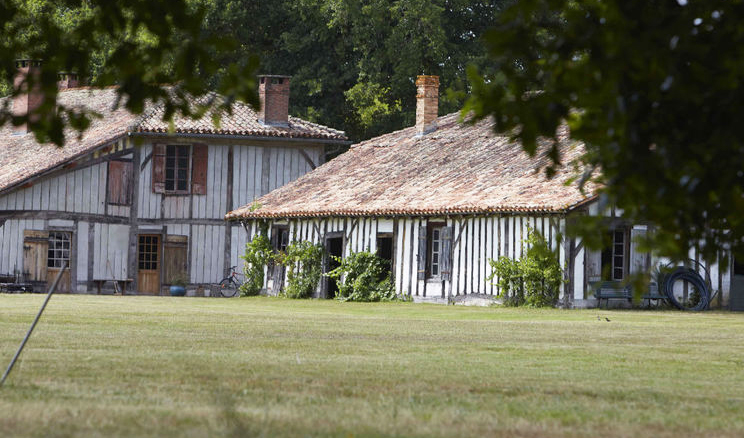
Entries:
{"x":140,"y":366}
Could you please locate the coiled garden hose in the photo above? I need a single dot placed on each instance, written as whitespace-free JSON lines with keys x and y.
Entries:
{"x":691,"y":276}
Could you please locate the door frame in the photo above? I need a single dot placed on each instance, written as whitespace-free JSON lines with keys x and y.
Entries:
{"x":71,"y":263}
{"x":160,"y":249}
{"x":326,"y":258}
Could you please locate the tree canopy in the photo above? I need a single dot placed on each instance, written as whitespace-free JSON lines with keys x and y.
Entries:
{"x":139,"y":45}
{"x":353,"y":62}
{"x":653,"y":88}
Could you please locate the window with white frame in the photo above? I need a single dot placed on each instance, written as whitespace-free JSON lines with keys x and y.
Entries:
{"x":59,"y":249}
{"x":614,"y":257}
{"x":435,"y":250}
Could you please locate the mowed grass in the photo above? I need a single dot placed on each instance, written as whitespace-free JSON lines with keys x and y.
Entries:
{"x":181,"y":367}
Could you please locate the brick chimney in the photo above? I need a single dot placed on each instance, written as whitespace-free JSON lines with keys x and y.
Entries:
{"x":27,"y":101}
{"x":427,"y":104}
{"x":67,"y":80}
{"x":273,"y":91}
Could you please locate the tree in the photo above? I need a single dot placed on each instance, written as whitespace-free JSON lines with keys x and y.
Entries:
{"x":653,"y":88}
{"x":353,"y":62}
{"x":139,"y":45}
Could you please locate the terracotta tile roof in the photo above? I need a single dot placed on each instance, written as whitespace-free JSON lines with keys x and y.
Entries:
{"x":458,"y":169}
{"x":243,"y":121}
{"x":22,"y":157}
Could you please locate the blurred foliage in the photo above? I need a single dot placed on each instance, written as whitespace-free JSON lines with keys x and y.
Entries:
{"x":138,"y":45}
{"x":651,"y":87}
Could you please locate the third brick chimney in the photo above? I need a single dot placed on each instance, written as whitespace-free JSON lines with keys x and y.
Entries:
{"x":273,"y":91}
{"x":427,"y":104}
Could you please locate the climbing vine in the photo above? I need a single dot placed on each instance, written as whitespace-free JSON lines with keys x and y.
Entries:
{"x":258,"y":253}
{"x":303,"y":261}
{"x":363,"y":276}
{"x":534,"y":280}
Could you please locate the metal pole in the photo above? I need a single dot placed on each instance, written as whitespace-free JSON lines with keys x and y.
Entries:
{"x":38,"y":315}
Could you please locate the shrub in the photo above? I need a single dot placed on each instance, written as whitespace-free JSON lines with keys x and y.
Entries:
{"x":258,"y":253}
{"x":303,"y":262}
{"x":363,"y":276}
{"x":534,"y":280}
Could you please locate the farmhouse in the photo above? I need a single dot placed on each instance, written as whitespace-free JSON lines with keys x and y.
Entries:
{"x":439,"y":200}
{"x":136,"y":206}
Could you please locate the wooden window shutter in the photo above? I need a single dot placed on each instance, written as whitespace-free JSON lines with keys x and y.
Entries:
{"x":446,"y":257}
{"x":422,"y":255}
{"x":199,"y":160}
{"x":35,"y":254}
{"x":158,"y":168}
{"x":120,"y":182}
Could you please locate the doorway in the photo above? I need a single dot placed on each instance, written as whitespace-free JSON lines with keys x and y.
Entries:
{"x":58,"y":253}
{"x":385,"y":251}
{"x":334,"y":248}
{"x":148,"y":264}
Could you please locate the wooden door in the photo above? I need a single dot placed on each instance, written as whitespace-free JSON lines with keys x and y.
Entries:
{"x":59,"y":252}
{"x":35,"y":244}
{"x":175,"y":259}
{"x":148,"y":264}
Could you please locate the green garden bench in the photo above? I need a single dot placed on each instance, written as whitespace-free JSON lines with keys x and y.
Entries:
{"x":612,"y":290}
{"x":653,"y":294}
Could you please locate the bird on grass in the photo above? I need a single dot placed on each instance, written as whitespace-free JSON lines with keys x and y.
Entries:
{"x":607,"y":319}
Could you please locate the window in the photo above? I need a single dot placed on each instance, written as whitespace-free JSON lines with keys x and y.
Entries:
{"x":281,"y":238}
{"x":436,"y":251}
{"x":614,"y":257}
{"x":177,"y":168}
{"x":59,"y":249}
{"x":148,"y":253}
{"x":180,"y":169}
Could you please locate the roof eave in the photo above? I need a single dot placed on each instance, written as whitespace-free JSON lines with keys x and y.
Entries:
{"x":136,"y":133}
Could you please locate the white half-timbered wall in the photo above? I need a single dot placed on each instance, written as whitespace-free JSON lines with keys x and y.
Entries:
{"x":73,"y":198}
{"x":475,"y":241}
{"x":718,"y":275}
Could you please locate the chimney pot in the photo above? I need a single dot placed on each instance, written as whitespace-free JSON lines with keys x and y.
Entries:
{"x":273,"y":92}
{"x":67,"y":80}
{"x":427,"y":103}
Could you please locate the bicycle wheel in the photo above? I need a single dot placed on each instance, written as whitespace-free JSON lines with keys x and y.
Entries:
{"x":228,"y":288}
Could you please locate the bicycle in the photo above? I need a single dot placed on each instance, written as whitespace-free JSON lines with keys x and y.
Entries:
{"x":230,"y":285}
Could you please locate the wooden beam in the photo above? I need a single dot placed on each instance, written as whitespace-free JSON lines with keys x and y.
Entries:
{"x":459,"y":232}
{"x":308,"y":159}
{"x":351,"y":230}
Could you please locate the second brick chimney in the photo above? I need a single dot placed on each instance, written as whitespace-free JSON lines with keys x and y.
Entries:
{"x":28,"y":100}
{"x":427,"y":104}
{"x":273,"y":91}
{"x":67,"y":80}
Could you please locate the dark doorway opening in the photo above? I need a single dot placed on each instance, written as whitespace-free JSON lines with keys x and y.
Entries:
{"x":335,"y":248}
{"x":385,"y":250}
